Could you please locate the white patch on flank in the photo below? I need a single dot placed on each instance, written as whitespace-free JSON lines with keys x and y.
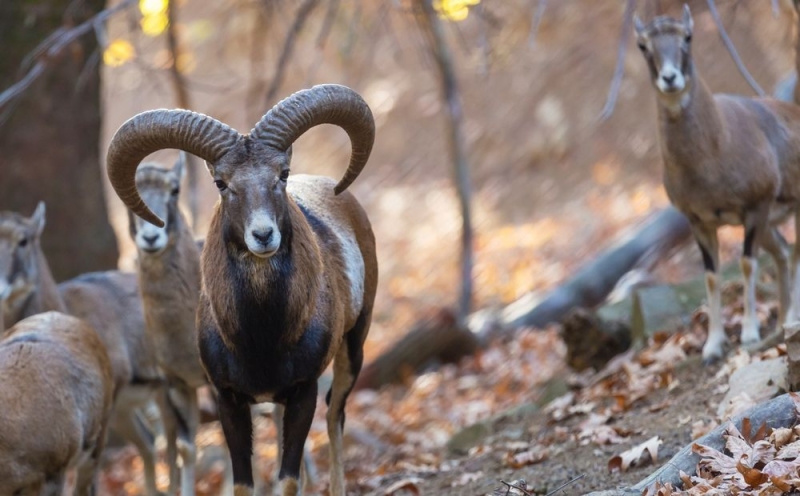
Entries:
{"x":353,"y":267}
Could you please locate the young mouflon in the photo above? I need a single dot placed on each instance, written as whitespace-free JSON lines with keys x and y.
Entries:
{"x":728,"y":160}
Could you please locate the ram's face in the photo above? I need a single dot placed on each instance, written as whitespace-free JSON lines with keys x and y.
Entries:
{"x":160,"y":189}
{"x":251,"y":179}
{"x":666,"y":45}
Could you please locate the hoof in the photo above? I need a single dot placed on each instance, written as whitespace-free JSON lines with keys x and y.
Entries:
{"x":711,"y":361}
{"x":751,"y":336}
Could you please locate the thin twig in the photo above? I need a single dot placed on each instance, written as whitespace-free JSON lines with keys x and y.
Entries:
{"x":184,"y":102}
{"x":327,"y":24}
{"x":619,"y":70}
{"x":288,"y":47}
{"x":322,"y":40}
{"x":538,"y":15}
{"x":56,"y":46}
{"x":712,"y":7}
{"x":511,"y":485}
{"x":568,"y":483}
{"x":258,"y":44}
{"x":458,"y":151}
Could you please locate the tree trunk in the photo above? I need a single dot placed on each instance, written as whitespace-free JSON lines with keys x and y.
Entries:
{"x":50,"y":137}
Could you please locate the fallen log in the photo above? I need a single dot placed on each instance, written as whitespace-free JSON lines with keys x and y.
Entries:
{"x":777,"y":412}
{"x":665,"y":231}
{"x":438,"y":339}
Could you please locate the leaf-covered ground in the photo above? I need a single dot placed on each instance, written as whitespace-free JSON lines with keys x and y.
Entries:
{"x":609,"y":429}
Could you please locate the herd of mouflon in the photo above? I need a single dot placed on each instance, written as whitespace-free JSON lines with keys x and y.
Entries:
{"x":284,"y":283}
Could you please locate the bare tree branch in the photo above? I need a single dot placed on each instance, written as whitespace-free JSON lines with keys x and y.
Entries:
{"x":442,"y":55}
{"x":723,"y":34}
{"x":50,"y":49}
{"x":184,"y":102}
{"x":327,"y":24}
{"x":619,"y":70}
{"x":258,"y":43}
{"x":288,"y":47}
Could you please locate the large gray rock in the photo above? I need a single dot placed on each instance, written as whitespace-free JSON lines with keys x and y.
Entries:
{"x":759,"y":381}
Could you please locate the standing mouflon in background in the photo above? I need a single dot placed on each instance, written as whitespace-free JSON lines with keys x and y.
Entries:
{"x":728,"y":160}
{"x":289,"y":267}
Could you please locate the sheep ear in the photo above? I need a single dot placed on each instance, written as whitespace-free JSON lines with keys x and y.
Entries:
{"x":209,"y":168}
{"x":687,"y":17}
{"x":289,"y":155}
{"x":38,"y":219}
{"x":638,"y":26}
{"x":178,"y":169}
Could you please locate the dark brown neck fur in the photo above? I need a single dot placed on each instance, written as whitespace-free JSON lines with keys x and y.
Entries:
{"x":256,"y":298}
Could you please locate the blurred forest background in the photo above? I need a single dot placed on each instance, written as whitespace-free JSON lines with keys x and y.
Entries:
{"x":552,"y":183}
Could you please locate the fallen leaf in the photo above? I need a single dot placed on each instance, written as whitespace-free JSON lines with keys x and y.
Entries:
{"x":634,"y":456}
{"x":752,"y":476}
{"x":407,"y":485}
{"x":536,"y":454}
{"x":466,"y":478}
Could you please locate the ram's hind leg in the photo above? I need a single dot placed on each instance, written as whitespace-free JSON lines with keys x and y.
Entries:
{"x":778,"y":248}
{"x":183,"y":401}
{"x":794,"y":311}
{"x":346,"y":367}
{"x":706,"y":238}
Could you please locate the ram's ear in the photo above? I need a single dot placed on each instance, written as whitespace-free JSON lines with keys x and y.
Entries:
{"x":37,"y":220}
{"x":688,"y":22}
{"x":638,"y":25}
{"x":289,"y":155}
{"x":179,"y":169}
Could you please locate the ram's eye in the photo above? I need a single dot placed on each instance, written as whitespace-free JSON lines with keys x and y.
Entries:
{"x":221,"y":185}
{"x":176,"y":191}
{"x":642,"y":47}
{"x":284,"y":175}
{"x":688,"y":38}
{"x":23,"y":242}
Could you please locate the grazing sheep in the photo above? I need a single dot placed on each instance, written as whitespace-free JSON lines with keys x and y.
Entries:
{"x":289,"y":267}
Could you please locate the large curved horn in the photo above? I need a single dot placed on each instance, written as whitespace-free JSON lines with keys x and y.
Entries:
{"x":323,"y":104}
{"x":155,"y":130}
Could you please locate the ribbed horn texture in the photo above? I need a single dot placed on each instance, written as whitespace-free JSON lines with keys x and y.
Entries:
{"x":322,"y":104}
{"x":155,"y":130}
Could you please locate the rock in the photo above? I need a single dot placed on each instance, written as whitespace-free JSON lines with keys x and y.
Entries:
{"x":656,"y":308}
{"x":469,"y":437}
{"x":754,"y":383}
{"x":792,"y":336}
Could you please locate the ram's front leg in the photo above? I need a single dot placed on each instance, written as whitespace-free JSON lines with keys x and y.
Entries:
{"x":237,"y":425}
{"x":709,"y":247}
{"x":297,"y":417}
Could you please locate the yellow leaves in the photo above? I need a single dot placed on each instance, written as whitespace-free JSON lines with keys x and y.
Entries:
{"x":454,"y":10}
{"x":154,"y":16}
{"x":118,"y":52}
